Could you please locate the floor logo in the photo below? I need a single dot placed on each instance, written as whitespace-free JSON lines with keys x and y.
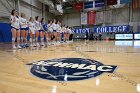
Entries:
{"x":69,"y":69}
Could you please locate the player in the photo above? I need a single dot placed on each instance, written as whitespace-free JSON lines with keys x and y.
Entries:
{"x":71,"y":34}
{"x":32,"y":32}
{"x":67,"y":34}
{"x":15,"y":29}
{"x":54,"y":26}
{"x":58,"y":32}
{"x":45,"y":30}
{"x":24,"y":30}
{"x":50,"y":31}
{"x":37,"y":29}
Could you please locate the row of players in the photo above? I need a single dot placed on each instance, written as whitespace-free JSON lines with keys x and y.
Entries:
{"x":21,"y":28}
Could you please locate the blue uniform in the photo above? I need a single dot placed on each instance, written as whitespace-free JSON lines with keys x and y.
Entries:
{"x":44,"y":25}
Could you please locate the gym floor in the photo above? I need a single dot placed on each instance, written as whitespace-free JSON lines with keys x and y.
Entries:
{"x":15,"y":76}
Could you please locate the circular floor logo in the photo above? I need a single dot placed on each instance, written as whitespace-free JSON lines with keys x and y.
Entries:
{"x":69,"y":69}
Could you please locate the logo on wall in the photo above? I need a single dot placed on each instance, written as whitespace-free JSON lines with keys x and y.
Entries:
{"x":121,"y":28}
{"x":69,"y":69}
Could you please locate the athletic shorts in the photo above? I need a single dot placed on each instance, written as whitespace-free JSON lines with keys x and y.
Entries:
{"x":27,"y":28}
{"x":24,"y":29}
{"x":54,"y":30}
{"x":14,"y":28}
{"x":40,"y":30}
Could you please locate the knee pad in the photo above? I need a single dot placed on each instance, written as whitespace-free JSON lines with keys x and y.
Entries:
{"x":30,"y":39}
{"x":21,"y":38}
{"x":47,"y":38}
{"x":13,"y":39}
{"x":36,"y":38}
{"x":18,"y":38}
{"x":42,"y":39}
{"x":33,"y":40}
{"x":25,"y":38}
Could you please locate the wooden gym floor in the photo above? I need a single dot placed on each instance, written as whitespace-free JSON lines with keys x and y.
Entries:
{"x":16,"y":78}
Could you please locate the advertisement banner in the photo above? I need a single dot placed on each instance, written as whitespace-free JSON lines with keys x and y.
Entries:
{"x":99,"y":17}
{"x":84,"y":18}
{"x":121,"y":28}
{"x":81,"y":30}
{"x":91,"y":17}
{"x":124,"y":36}
{"x":78,"y":6}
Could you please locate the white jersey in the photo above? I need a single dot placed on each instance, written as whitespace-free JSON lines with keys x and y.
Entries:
{"x":58,"y":27}
{"x":23,"y":23}
{"x":32,"y":26}
{"x":50,"y":28}
{"x":15,"y":22}
{"x":69,"y":31}
{"x":63,"y":29}
{"x":54,"y":26}
{"x":37,"y":25}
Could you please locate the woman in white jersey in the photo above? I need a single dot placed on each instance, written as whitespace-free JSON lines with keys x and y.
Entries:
{"x":37,"y":29}
{"x":54,"y":26}
{"x":15,"y":29}
{"x":65,"y":33}
{"x":50,"y":31}
{"x":24,"y":31}
{"x":44,"y":32}
{"x":63,"y":30}
{"x":69,"y":33}
{"x":32,"y":31}
{"x":58,"y":31}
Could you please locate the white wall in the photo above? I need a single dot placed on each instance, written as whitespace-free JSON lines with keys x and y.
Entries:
{"x":121,"y":16}
{"x":25,"y":9}
{"x":31,"y":8}
{"x":72,"y":19}
{"x":5,"y":9}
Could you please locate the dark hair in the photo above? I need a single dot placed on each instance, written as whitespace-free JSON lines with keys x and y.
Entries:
{"x":30,"y":19}
{"x":54,"y":20}
{"x":57,"y":21}
{"x":22,"y":14}
{"x":12,"y":12}
{"x":49,"y":21}
{"x":42,"y":20}
{"x":36,"y":18}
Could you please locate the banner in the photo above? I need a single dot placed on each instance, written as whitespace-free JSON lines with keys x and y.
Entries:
{"x":83,"y":18}
{"x":94,"y":4}
{"x":106,"y":29}
{"x":99,"y":17}
{"x":125,"y":1}
{"x":78,"y":6}
{"x":108,"y":16}
{"x":136,"y":4}
{"x":136,"y":36}
{"x":91,"y":17}
{"x":99,"y":3}
{"x":81,"y":30}
{"x":88,"y":5}
{"x":111,"y":2}
{"x":124,"y":36}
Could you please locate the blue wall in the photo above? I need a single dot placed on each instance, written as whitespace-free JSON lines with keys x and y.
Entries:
{"x":5,"y":32}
